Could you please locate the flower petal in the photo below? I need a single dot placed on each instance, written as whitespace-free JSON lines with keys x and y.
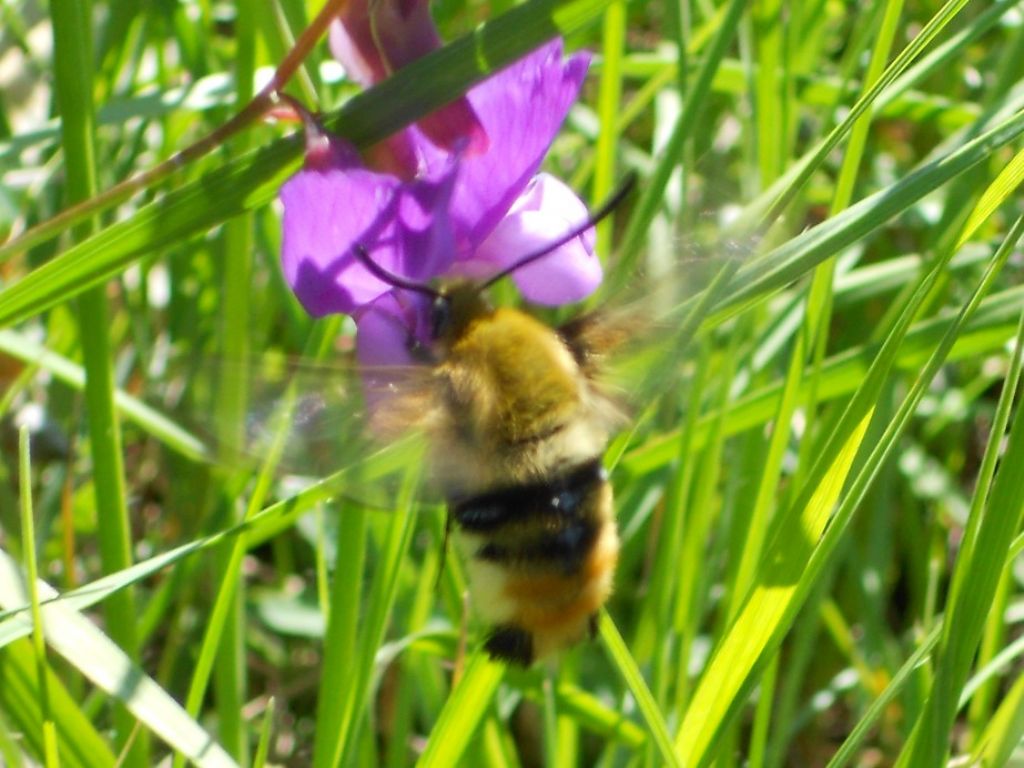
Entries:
{"x":545,"y":212}
{"x":385,"y":328}
{"x":373,"y":39}
{"x":371,"y":42}
{"x":456,"y":127}
{"x":385,"y":333}
{"x":521,"y":108}
{"x":350,"y":38}
{"x":331,"y":209}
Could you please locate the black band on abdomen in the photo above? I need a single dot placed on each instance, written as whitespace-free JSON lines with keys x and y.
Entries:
{"x":560,"y":497}
{"x":565,"y":549}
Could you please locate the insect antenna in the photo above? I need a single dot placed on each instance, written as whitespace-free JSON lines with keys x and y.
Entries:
{"x":363,"y":257}
{"x":610,"y":205}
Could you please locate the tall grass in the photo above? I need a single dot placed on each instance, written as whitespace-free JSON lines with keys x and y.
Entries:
{"x":819,"y":495}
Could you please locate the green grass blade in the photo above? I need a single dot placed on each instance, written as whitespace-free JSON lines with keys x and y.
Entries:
{"x":854,"y":742}
{"x":230,"y":685}
{"x":928,"y":33}
{"x":627,"y":668}
{"x":597,"y":716}
{"x":263,"y":746}
{"x":763,"y":613}
{"x":28,"y":537}
{"x":654,"y":188}
{"x":977,"y":574}
{"x":466,"y":707}
{"x":1005,"y":184}
{"x":338,"y":679}
{"x":97,"y":657}
{"x":855,"y":306}
{"x":770,"y":90}
{"x":988,"y":329}
{"x":73,"y":60}
{"x":788,"y":262}
{"x":790,"y":573}
{"x":164,"y":429}
{"x":609,"y":99}
{"x":80,"y":745}
{"x":371,"y":628}
{"x":1005,"y":730}
{"x":258,"y":528}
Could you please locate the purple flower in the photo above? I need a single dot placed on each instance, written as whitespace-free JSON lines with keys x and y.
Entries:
{"x":421,"y":209}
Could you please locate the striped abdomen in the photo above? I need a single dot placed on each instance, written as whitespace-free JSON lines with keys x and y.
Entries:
{"x":517,"y":437}
{"x":541,"y":558}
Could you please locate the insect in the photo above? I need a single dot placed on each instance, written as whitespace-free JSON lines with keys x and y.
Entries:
{"x":517,"y":420}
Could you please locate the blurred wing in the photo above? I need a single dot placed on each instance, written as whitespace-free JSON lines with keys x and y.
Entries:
{"x":304,"y":421}
{"x":639,"y":351}
{"x":633,"y":349}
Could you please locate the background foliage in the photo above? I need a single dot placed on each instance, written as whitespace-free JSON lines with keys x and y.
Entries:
{"x":820,"y":511}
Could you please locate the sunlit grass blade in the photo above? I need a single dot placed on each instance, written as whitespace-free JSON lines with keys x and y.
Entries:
{"x":805,"y":370}
{"x":469,"y":702}
{"x":614,"y":32}
{"x":80,"y":744}
{"x":1005,"y":730}
{"x":978,"y":569}
{"x":92,"y":653}
{"x":899,"y":422}
{"x":765,"y":612}
{"x":626,"y":667}
{"x":589,"y":712}
{"x":740,"y":653}
{"x":1002,"y":187}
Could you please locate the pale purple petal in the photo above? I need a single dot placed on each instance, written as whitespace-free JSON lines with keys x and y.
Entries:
{"x":545,"y":212}
{"x":328,"y":211}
